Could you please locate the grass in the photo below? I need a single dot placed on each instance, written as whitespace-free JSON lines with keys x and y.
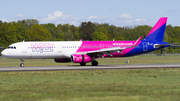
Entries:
{"x":91,"y":85}
{"x":143,"y":59}
{"x":161,"y":84}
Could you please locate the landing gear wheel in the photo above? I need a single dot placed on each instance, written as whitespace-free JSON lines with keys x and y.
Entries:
{"x":94,"y":63}
{"x":82,"y":64}
{"x":22,"y":64}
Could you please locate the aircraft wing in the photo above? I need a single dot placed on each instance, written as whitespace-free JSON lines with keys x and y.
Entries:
{"x":108,"y":51}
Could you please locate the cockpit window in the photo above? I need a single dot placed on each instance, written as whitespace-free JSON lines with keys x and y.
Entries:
{"x":11,"y":47}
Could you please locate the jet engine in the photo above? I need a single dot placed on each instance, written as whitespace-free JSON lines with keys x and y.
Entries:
{"x":80,"y":58}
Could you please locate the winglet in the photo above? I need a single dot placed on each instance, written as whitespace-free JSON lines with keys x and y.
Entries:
{"x":137,"y":41}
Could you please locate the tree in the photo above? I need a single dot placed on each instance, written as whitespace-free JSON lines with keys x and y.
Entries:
{"x":1,"y":22}
{"x":100,"y":34}
{"x":59,"y":26}
{"x":119,"y":38}
{"x":69,"y":35}
{"x":37,"y":33}
{"x":86,"y":30}
{"x":76,"y":34}
{"x":7,"y":34}
{"x":113,"y":31}
{"x":52,"y":29}
{"x":60,"y":37}
{"x":20,"y":30}
{"x":29,"y":22}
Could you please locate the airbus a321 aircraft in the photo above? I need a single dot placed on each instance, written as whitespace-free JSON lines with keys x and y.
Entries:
{"x":87,"y":51}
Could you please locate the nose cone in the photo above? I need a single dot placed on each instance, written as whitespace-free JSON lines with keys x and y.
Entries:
{"x":4,"y":53}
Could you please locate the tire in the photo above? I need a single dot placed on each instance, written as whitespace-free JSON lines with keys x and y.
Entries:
{"x":94,"y":63}
{"x":82,"y":64}
{"x":22,"y":65}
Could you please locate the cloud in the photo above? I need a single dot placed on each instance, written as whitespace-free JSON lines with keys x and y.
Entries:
{"x":58,"y":17}
{"x":97,"y":18}
{"x":125,"y":16}
{"x":3,"y":20}
{"x":92,"y":17}
{"x":15,"y":18}
{"x":126,"y":19}
{"x":140,"y":20}
{"x":19,"y":15}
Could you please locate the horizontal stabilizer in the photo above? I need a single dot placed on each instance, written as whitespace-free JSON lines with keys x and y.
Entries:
{"x":174,"y":45}
{"x":160,"y":45}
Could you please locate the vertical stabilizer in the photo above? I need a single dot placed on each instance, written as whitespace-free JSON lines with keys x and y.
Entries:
{"x":157,"y":32}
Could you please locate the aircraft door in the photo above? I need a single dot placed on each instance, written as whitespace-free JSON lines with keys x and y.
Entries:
{"x":145,"y":46}
{"x":59,"y":49}
{"x":101,"y":46}
{"x":24,"y":50}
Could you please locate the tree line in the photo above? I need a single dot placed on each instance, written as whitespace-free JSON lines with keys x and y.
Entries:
{"x":31,"y":30}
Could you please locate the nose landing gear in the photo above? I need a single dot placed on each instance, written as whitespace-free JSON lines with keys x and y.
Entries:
{"x":22,"y":63}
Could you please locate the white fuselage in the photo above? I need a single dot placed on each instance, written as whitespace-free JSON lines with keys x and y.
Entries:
{"x":46,"y":49}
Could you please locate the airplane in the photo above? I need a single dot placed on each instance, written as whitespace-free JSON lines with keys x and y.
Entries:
{"x":87,"y":51}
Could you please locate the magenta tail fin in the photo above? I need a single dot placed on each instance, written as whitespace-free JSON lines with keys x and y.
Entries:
{"x":157,"y":32}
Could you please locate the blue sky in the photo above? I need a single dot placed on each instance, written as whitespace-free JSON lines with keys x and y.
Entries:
{"x":115,"y":12}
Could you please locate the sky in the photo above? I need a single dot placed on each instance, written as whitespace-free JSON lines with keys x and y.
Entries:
{"x":114,"y":12}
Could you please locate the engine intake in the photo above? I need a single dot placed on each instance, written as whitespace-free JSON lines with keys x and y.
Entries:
{"x":80,"y":58}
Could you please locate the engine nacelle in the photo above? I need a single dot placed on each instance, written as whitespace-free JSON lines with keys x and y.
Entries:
{"x":62,"y":60}
{"x":79,"y":58}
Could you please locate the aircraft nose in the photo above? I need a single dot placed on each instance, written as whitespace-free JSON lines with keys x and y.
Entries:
{"x":4,"y":53}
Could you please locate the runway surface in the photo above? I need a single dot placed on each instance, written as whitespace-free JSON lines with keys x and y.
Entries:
{"x":126,"y":66}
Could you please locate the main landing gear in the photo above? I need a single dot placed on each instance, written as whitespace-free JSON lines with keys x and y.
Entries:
{"x":22,"y":63}
{"x":82,"y":64}
{"x":94,"y":62}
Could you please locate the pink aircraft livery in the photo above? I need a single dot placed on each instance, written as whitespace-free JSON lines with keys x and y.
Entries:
{"x":87,"y":51}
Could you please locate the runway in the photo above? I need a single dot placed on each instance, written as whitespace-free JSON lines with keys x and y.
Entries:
{"x":55,"y":68}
